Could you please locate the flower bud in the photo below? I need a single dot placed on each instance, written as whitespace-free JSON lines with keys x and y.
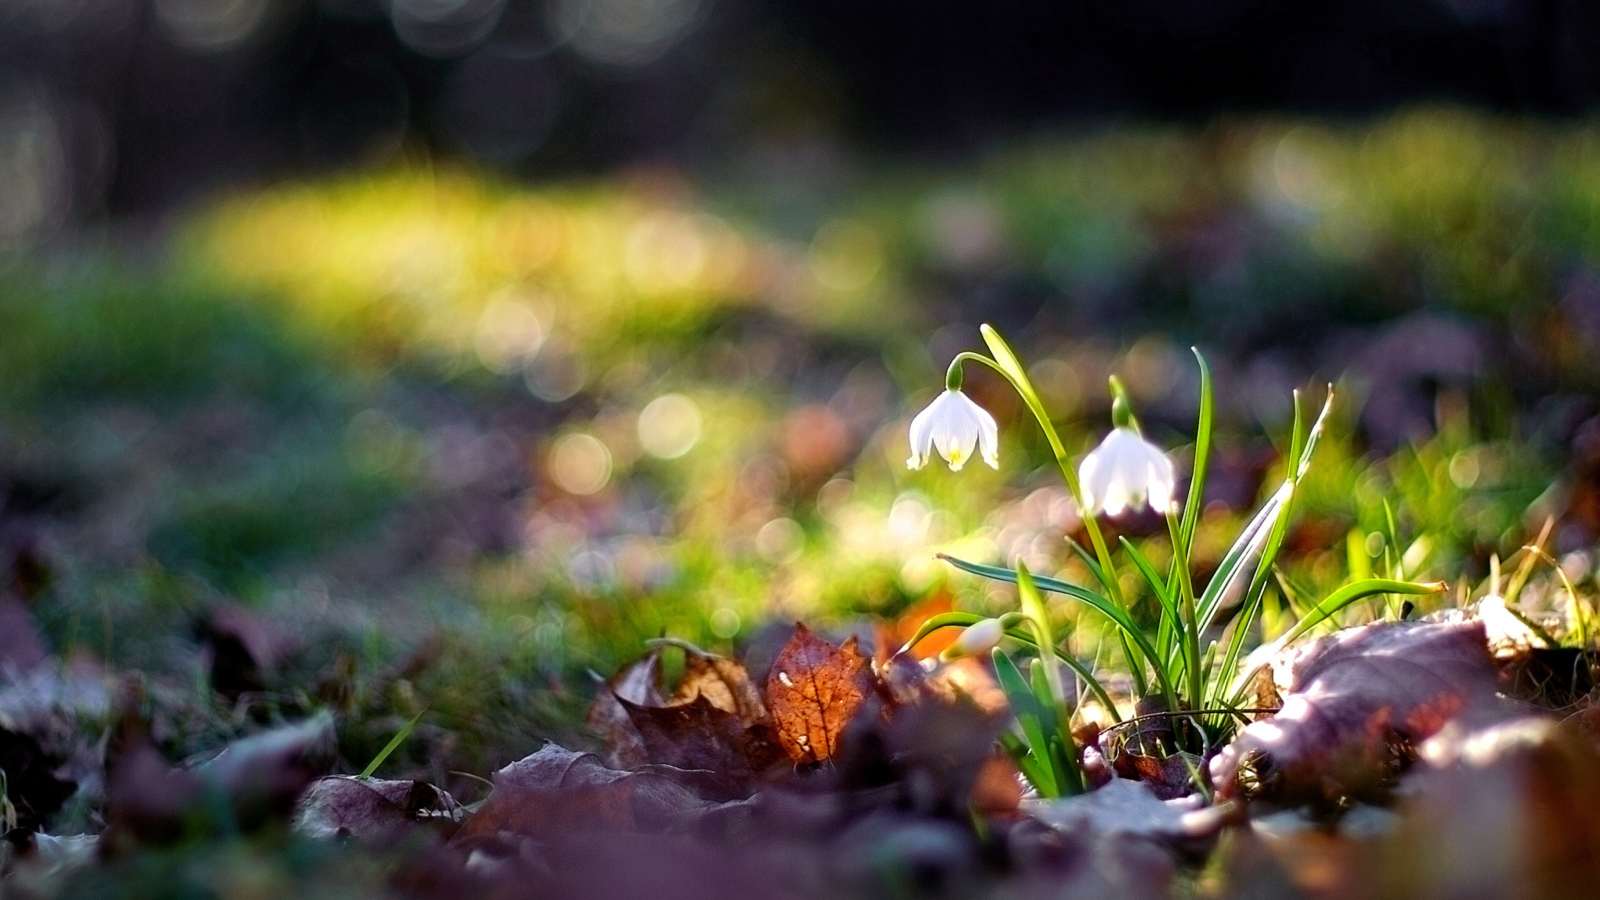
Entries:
{"x":978,"y":639}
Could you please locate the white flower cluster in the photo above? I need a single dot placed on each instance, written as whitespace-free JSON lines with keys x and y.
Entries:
{"x":1125,"y":472}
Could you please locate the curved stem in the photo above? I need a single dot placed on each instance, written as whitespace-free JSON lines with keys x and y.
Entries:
{"x":1097,"y":540}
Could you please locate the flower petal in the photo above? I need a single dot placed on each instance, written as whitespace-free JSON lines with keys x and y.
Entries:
{"x":922,"y":434}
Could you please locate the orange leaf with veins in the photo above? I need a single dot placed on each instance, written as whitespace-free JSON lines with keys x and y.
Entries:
{"x":813,"y":691}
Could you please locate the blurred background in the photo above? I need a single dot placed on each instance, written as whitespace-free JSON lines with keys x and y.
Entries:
{"x":431,"y":354}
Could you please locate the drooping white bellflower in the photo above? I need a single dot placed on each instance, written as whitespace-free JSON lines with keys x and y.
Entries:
{"x":977,"y":639}
{"x":955,"y":426}
{"x":1125,"y":472}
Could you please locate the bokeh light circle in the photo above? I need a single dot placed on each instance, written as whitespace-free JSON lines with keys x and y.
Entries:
{"x":669,"y":426}
{"x":625,"y":33}
{"x":580,"y":464}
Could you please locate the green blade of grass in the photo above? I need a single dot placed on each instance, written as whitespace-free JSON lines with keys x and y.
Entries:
{"x":1088,"y":560}
{"x":1352,"y":592}
{"x":1029,"y":765}
{"x":1249,"y":543}
{"x":394,"y":744}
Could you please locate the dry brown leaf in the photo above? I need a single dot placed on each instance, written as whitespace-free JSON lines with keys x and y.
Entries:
{"x":998,"y":787}
{"x":813,"y":691}
{"x":1354,"y":705}
{"x":556,"y":791}
{"x":638,"y":682}
{"x":698,"y":735}
{"x":723,"y":682}
{"x":347,"y":805}
{"x":1507,"y":810}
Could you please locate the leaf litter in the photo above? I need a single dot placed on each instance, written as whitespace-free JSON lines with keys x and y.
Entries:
{"x":830,"y":775}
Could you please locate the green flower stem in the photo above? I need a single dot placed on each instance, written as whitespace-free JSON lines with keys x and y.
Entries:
{"x":1030,"y":397}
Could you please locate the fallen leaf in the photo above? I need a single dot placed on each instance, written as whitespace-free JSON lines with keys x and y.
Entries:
{"x":1168,"y":777}
{"x":1355,"y":705}
{"x":905,"y":682}
{"x":930,"y":757}
{"x":998,"y":787}
{"x":721,"y":681}
{"x":21,"y":647}
{"x":697,"y":735}
{"x":351,"y":806}
{"x":715,"y":726}
{"x":638,"y":682}
{"x":1511,"y":809}
{"x":557,"y":791}
{"x":241,"y":649}
{"x":1124,"y":807}
{"x":813,"y":691}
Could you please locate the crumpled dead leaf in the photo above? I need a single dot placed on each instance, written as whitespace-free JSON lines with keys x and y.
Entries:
{"x":352,"y":806}
{"x":241,"y":649}
{"x":699,"y":736}
{"x":714,"y":729}
{"x":21,"y":647}
{"x":813,"y":691}
{"x":1125,"y":807}
{"x":557,"y":791}
{"x":639,"y":683}
{"x":723,"y":683}
{"x":1355,"y":705}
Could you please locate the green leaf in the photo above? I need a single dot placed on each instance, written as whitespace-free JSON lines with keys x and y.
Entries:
{"x":1031,"y":767}
{"x":1030,"y":718}
{"x":1192,"y":507}
{"x":1349,"y":594}
{"x":1317,"y":429}
{"x":1230,"y":658}
{"x":1088,"y":560}
{"x":1023,"y":637}
{"x":1063,"y":757}
{"x":1249,"y":543}
{"x":1171,"y":621}
{"x":943,"y":620}
{"x":1116,"y":614}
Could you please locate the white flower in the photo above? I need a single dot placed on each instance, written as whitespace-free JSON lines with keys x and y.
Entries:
{"x":977,"y":639}
{"x":1125,"y":471}
{"x":954,"y":425}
